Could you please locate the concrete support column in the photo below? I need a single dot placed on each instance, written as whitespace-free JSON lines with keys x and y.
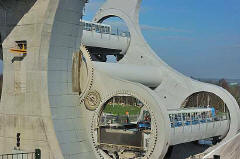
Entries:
{"x":37,"y":98}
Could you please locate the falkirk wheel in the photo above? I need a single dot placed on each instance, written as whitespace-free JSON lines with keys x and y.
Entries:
{"x":54,"y":94}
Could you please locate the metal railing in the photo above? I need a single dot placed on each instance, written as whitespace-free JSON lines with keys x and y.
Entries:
{"x":27,"y":155}
{"x":113,"y":31}
{"x":121,"y":119}
{"x":194,"y":121}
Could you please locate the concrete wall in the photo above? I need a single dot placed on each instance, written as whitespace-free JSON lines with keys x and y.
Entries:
{"x":175,"y":87}
{"x":227,"y":150}
{"x":11,"y":11}
{"x":37,"y":100}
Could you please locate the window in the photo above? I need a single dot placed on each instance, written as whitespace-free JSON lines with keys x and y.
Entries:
{"x":88,"y":27}
{"x":93,"y":27}
{"x":179,"y":117}
{"x":108,"y":30}
{"x":184,"y":116}
{"x":98,"y":30}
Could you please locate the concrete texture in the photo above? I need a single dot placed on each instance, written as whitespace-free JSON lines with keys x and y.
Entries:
{"x":11,"y":11}
{"x":38,"y":100}
{"x":108,"y":86}
{"x":227,"y":150}
{"x":197,"y":132}
{"x":174,"y":87}
{"x":182,"y":151}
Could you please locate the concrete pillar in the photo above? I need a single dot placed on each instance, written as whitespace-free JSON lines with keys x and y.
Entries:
{"x":37,"y":98}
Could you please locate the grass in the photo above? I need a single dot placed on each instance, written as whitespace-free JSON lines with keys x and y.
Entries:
{"x":121,"y":109}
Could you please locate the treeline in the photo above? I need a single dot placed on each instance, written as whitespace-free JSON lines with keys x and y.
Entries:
{"x":233,"y":89}
{"x":206,"y":98}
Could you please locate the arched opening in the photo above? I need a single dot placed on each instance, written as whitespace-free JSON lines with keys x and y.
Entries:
{"x":206,"y":99}
{"x":113,"y":38}
{"x":124,"y":127}
{"x":205,"y":115}
{"x":218,"y":112}
{"x":118,"y":26}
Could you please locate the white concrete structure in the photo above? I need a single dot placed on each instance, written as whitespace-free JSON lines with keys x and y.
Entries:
{"x":94,"y":39}
{"x":38,"y":100}
{"x":196,"y":132}
{"x":11,"y":11}
{"x":226,"y":150}
{"x":149,"y":76}
{"x":173,"y":87}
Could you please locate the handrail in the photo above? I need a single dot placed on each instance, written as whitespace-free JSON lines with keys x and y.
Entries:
{"x":119,"y":32}
{"x":176,"y":123}
{"x":22,"y":155}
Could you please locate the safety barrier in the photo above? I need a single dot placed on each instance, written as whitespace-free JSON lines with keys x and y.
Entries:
{"x":28,"y":155}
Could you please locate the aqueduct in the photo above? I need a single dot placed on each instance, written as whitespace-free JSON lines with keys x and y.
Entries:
{"x":54,"y":93}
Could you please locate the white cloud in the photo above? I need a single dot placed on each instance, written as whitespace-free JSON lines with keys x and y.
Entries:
{"x":182,"y":38}
{"x":158,"y":28}
{"x":93,"y":6}
{"x":236,"y":46}
{"x":121,"y":24}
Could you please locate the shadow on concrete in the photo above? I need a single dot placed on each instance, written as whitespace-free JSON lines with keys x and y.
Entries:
{"x":183,"y":151}
{"x":11,"y":12}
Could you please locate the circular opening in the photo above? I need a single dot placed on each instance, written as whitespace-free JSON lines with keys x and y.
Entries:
{"x":113,"y":39}
{"x":118,"y":26}
{"x":218,"y":113}
{"x":125,"y":127}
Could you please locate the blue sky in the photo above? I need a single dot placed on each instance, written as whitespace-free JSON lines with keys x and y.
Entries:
{"x":198,"y":38}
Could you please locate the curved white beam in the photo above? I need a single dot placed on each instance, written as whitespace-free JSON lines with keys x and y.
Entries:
{"x":175,"y":87}
{"x":149,"y":76}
